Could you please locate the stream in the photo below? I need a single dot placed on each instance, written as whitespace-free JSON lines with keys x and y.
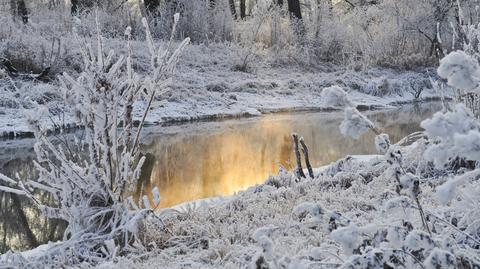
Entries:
{"x":197,"y":160}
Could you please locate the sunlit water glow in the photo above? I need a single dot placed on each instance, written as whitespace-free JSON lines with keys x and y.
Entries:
{"x":206,"y":159}
{"x":221,"y":158}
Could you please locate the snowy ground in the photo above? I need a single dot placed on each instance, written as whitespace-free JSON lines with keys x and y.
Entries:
{"x":356,"y":192}
{"x":206,"y":86}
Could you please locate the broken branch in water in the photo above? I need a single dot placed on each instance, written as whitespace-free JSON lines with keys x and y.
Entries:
{"x":307,"y":159}
{"x":299,"y":170}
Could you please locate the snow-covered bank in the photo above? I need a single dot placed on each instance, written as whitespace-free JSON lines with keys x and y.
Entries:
{"x":356,"y":196}
{"x":206,"y":86}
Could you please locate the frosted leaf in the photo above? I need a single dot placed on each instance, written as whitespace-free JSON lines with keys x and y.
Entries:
{"x":262,"y":235}
{"x":7,"y":179}
{"x":176,"y":17}
{"x":263,"y":231}
{"x":448,"y":129}
{"x":11,"y":190}
{"x":395,"y":236}
{"x":132,"y":203}
{"x":314,"y":209}
{"x":468,"y":145}
{"x":460,"y":69}
{"x":447,"y":191}
{"x":382,"y":143}
{"x":128,"y":31}
{"x":401,"y":201}
{"x":335,"y":96}
{"x":410,"y":183}
{"x":348,"y":237}
{"x":317,"y":254}
{"x":355,"y":124}
{"x":111,"y":248}
{"x":445,"y":125}
{"x":439,"y":258}
{"x":146,"y":202}
{"x":156,"y":196}
{"x":417,"y":240}
{"x":144,"y":22}
{"x":439,"y":154}
{"x":373,"y":258}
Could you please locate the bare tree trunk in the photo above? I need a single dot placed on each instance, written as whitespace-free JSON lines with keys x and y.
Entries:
{"x":84,"y":5}
{"x":74,"y":8}
{"x":142,"y":8}
{"x":152,"y":6}
{"x":243,"y":8}
{"x":233,"y":9}
{"x":294,"y":9}
{"x":19,"y":9}
{"x":211,"y":4}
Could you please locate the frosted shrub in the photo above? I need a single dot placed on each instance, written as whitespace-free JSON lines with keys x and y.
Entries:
{"x":348,"y":237}
{"x":450,"y":130}
{"x":249,"y":40}
{"x":335,"y":96}
{"x":450,"y":141}
{"x":91,"y":191}
{"x":382,"y":143}
{"x":461,"y":70}
{"x":355,"y":124}
{"x":199,"y":21}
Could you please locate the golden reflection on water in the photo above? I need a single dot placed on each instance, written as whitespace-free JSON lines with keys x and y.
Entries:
{"x":234,"y":155}
{"x":205,"y":159}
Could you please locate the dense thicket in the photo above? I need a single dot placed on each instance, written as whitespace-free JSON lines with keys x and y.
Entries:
{"x":358,"y":33}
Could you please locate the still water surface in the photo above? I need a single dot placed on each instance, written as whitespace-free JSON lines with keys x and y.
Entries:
{"x":205,"y":159}
{"x":221,"y":158}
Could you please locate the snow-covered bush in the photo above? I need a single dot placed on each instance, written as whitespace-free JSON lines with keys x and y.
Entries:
{"x":355,"y":124}
{"x":461,"y":70}
{"x":446,"y":130}
{"x":91,"y":191}
{"x":335,"y":96}
{"x":200,"y":21}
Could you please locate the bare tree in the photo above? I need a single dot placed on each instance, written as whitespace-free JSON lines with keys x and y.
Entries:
{"x":294,"y":9}
{"x":19,"y":9}
{"x":152,"y":6}
{"x":83,"y":5}
{"x":233,"y":9}
{"x":242,"y":9}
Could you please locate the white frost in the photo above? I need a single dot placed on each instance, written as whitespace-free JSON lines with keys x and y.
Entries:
{"x":156,"y":196}
{"x":382,"y":143}
{"x":355,"y":124}
{"x":439,"y":258}
{"x":335,"y":96}
{"x":460,"y":69}
{"x":348,"y":237}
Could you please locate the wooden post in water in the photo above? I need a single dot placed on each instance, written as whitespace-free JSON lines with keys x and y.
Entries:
{"x":307,"y":159}
{"x":298,"y":157}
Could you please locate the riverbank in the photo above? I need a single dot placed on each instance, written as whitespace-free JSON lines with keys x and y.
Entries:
{"x":206,"y":86}
{"x":287,"y":223}
{"x":354,"y":213}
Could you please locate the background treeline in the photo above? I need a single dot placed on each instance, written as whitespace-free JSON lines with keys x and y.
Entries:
{"x":403,"y":34}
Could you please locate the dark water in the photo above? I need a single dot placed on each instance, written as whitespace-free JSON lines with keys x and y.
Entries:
{"x":205,"y":159}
